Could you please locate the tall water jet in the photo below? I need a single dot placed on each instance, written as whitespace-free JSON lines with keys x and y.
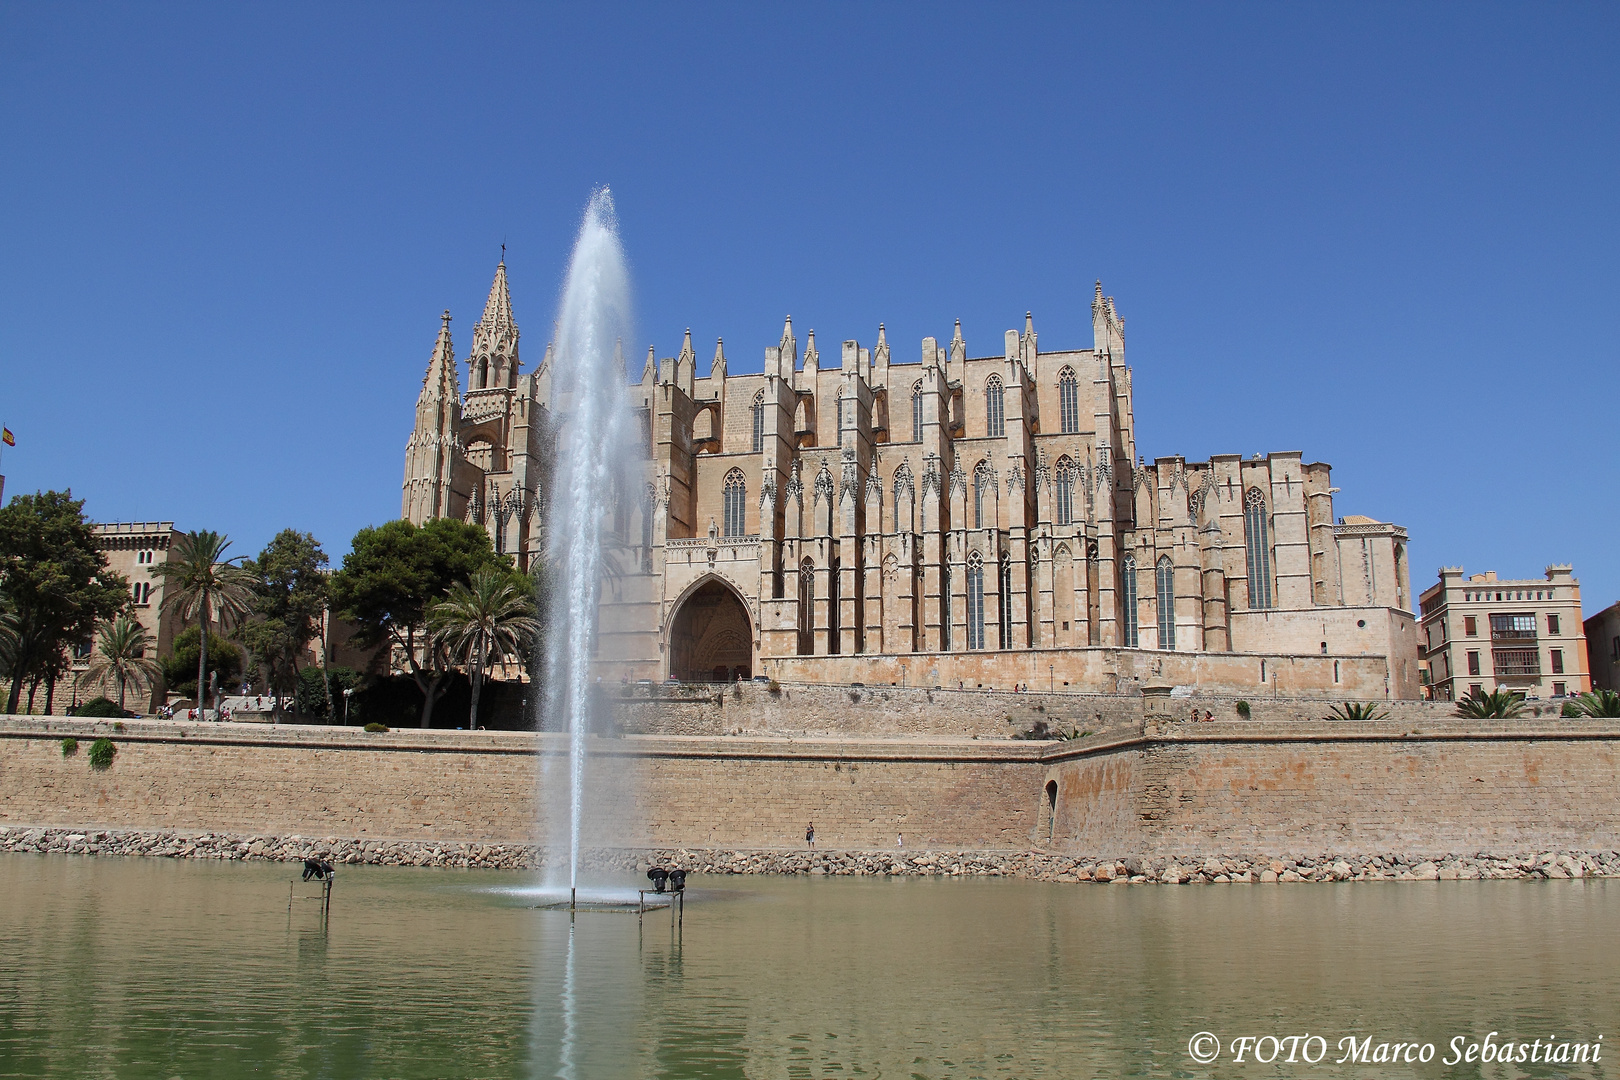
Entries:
{"x":592,"y":466}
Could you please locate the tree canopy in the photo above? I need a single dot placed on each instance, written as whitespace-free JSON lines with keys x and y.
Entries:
{"x":390,"y":577}
{"x":284,"y":613}
{"x":57,"y":583}
{"x":180,"y":666}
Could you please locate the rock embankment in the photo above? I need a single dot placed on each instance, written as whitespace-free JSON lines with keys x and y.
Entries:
{"x":1037,"y":865}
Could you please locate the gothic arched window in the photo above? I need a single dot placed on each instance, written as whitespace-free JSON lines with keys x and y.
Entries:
{"x":916,"y":411}
{"x":975,"y":601}
{"x":1068,"y":401}
{"x":759,"y":421}
{"x":995,"y":417}
{"x":1127,"y":583}
{"x":1258,"y":545}
{"x":1165,"y":579}
{"x":945,"y":604}
{"x":840,"y":414}
{"x":982,"y":484}
{"x":736,"y":503}
{"x":1063,"y":482}
{"x":807,"y":608}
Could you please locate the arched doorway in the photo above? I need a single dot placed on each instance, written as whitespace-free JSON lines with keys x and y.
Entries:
{"x":710,"y":637}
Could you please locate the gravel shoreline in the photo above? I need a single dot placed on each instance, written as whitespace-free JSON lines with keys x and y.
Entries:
{"x":1037,"y":865}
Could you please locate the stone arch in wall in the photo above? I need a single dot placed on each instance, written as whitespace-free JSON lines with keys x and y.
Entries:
{"x":710,"y":635}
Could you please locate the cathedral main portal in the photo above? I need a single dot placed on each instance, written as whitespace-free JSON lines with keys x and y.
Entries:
{"x":710,"y":638}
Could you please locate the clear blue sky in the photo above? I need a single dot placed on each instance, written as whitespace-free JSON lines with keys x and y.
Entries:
{"x":1387,"y":236}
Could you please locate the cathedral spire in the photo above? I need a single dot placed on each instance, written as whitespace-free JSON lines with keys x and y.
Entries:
{"x":440,"y":379}
{"x":494,"y":358}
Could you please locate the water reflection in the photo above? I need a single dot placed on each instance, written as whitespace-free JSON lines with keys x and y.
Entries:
{"x":155,"y":968}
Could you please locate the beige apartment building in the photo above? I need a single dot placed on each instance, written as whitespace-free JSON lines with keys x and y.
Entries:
{"x":1603,"y":648}
{"x":983,"y":520}
{"x":1484,"y":633}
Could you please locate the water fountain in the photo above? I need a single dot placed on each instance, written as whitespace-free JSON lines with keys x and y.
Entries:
{"x":592,"y":461}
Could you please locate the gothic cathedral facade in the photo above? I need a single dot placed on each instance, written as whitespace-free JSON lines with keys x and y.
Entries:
{"x":956,"y":521}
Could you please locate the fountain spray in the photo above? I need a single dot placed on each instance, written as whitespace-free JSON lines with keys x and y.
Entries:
{"x":592,"y":464}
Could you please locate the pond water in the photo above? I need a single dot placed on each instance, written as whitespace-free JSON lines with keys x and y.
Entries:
{"x":137,"y":968}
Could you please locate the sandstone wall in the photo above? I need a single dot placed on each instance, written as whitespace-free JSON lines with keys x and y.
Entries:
{"x":880,"y":710}
{"x":1160,"y":787}
{"x":1351,"y":789}
{"x":467,"y":786}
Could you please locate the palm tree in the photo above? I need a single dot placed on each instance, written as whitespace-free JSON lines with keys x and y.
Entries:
{"x":202,"y":581}
{"x":483,"y":622}
{"x":1601,"y":704}
{"x":1496,"y":705}
{"x":1356,"y":710}
{"x":121,"y":652}
{"x":8,"y":634}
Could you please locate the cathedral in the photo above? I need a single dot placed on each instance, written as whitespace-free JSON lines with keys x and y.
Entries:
{"x":956,"y":521}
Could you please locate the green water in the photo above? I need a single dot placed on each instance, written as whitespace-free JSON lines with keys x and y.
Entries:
{"x":154,"y":968}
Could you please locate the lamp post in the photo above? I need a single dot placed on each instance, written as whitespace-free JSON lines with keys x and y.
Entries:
{"x":346,"y":694}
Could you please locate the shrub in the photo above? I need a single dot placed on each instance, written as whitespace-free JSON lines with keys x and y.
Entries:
{"x":101,"y":754}
{"x":1357,"y":710}
{"x":100,"y":706}
{"x":1496,"y":705}
{"x":117,"y":726}
{"x":854,"y":697}
{"x":70,"y":747}
{"x":1243,"y":709}
{"x":374,"y":726}
{"x":773,"y":688}
{"x":1601,"y":704}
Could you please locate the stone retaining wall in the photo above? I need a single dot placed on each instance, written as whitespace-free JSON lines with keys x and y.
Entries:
{"x":1158,"y":789}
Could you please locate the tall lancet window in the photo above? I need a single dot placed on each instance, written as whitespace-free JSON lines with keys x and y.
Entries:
{"x":1258,"y":543}
{"x":735,"y":491}
{"x":916,"y":411}
{"x":1127,"y":590}
{"x":975,"y":601}
{"x":759,"y":421}
{"x":1063,"y":484}
{"x":1006,"y":600}
{"x":807,"y":608}
{"x":1069,"y":401}
{"x":995,"y":416}
{"x":1165,"y":579}
{"x":840,"y":414}
{"x":984,"y":490}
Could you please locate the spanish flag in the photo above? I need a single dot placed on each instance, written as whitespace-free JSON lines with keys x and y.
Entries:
{"x":7,"y":436}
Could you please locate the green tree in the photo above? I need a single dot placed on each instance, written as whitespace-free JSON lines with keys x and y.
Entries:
{"x":121,"y":652}
{"x":57,"y":580}
{"x":284,"y":613}
{"x":483,"y":622}
{"x":180,"y":666}
{"x":392,"y":574}
{"x":1496,"y":705}
{"x":202,"y":584}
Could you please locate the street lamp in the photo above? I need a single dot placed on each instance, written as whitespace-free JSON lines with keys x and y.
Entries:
{"x":346,"y":694}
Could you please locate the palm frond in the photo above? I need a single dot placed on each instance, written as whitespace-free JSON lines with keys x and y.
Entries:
{"x":1496,"y":705}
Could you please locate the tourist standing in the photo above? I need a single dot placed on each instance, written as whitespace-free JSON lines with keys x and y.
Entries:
{"x":810,"y":835}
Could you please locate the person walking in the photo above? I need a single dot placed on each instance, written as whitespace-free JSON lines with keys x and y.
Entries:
{"x":810,"y":835}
